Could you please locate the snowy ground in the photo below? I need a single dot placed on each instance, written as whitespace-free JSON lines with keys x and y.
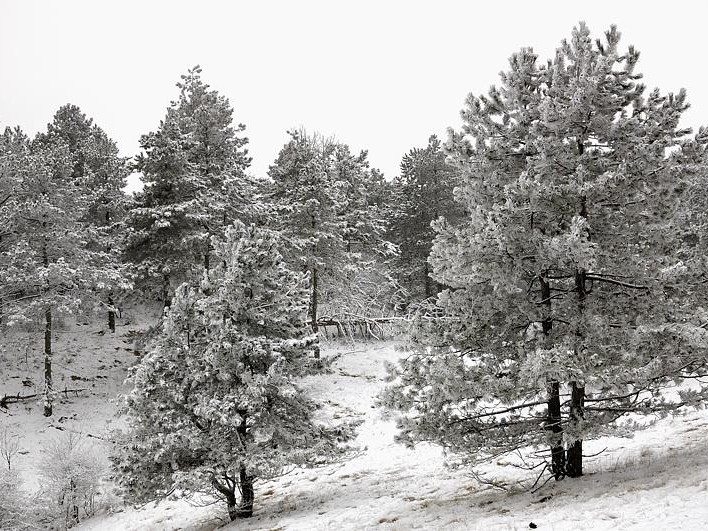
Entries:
{"x":658,"y":480}
{"x":89,"y":368}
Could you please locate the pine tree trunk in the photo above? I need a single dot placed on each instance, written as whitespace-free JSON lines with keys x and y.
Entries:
{"x":553,"y":390}
{"x":48,"y":362}
{"x":558,"y":465}
{"x":577,"y":399}
{"x":575,"y":451}
{"x":228,"y":490}
{"x":313,"y":310}
{"x":111,"y":315}
{"x":245,"y":508}
{"x":231,"y":505}
{"x":74,"y":508}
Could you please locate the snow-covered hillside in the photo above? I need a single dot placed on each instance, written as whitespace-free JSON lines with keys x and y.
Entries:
{"x":89,"y":366}
{"x":659,"y":479}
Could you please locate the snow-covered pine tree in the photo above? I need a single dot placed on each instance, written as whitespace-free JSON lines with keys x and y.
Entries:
{"x":194,"y":170}
{"x":423,"y":192}
{"x":307,"y":199}
{"x":560,"y":319}
{"x":14,"y":145}
{"x":360,"y":286}
{"x":215,"y":404}
{"x":49,"y":268}
{"x":328,"y":205}
{"x":97,"y":163}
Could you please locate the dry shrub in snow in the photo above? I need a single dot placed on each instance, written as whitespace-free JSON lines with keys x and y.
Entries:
{"x":71,"y":475}
{"x":9,"y":447}
{"x":12,"y":502}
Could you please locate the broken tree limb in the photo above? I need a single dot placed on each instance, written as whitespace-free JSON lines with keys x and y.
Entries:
{"x":13,"y":399}
{"x":6,"y":400}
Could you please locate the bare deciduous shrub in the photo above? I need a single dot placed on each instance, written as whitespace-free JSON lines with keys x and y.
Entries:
{"x":71,"y":475}
{"x":9,"y":446}
{"x":13,"y":512}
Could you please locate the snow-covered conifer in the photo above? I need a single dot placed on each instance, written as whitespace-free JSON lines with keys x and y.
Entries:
{"x":96,"y":163}
{"x":193,"y":168}
{"x":215,"y":404}
{"x":560,"y":319}
{"x":327,"y":205}
{"x":49,"y":266}
{"x":306,"y":202}
{"x":423,"y":193}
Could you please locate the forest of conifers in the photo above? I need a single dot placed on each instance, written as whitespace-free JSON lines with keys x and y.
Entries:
{"x":545,"y":265}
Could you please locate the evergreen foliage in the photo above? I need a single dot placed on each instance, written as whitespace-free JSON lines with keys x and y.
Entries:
{"x":215,"y":404}
{"x":561,"y":318}
{"x":97,"y":165}
{"x":423,"y":193}
{"x":328,"y":206}
{"x":49,"y":266}
{"x":193,"y":168}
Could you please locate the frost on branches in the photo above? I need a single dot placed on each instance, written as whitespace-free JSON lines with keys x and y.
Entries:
{"x":96,"y":163}
{"x":215,"y":404}
{"x":326,"y":203}
{"x":561,"y":322}
{"x":193,"y":168}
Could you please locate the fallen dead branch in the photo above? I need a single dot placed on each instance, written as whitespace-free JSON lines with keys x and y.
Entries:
{"x":6,"y":400}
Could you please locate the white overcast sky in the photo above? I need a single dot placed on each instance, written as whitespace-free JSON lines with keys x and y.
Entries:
{"x":379,"y":75}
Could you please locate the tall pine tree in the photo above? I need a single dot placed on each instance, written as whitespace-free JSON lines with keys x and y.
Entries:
{"x":560,"y":319}
{"x":96,"y":162}
{"x":307,"y":200}
{"x":327,"y":203}
{"x":423,"y":192}
{"x":50,"y":266}
{"x":194,"y":170}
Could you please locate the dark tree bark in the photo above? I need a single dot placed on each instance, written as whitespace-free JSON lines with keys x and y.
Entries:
{"x":574,"y":466}
{"x":228,"y":491}
{"x":245,"y":508}
{"x":428,"y":281}
{"x":553,"y":390}
{"x":231,"y":505}
{"x":48,"y":362}
{"x":111,"y":315}
{"x":166,"y":299}
{"x":313,"y":309}
{"x":577,"y":399}
{"x":47,"y":341}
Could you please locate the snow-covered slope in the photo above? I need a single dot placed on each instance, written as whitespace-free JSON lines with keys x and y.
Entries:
{"x":89,"y":368}
{"x":658,"y":480}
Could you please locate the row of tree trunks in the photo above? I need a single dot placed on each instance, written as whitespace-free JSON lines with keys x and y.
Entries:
{"x":365,"y":328}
